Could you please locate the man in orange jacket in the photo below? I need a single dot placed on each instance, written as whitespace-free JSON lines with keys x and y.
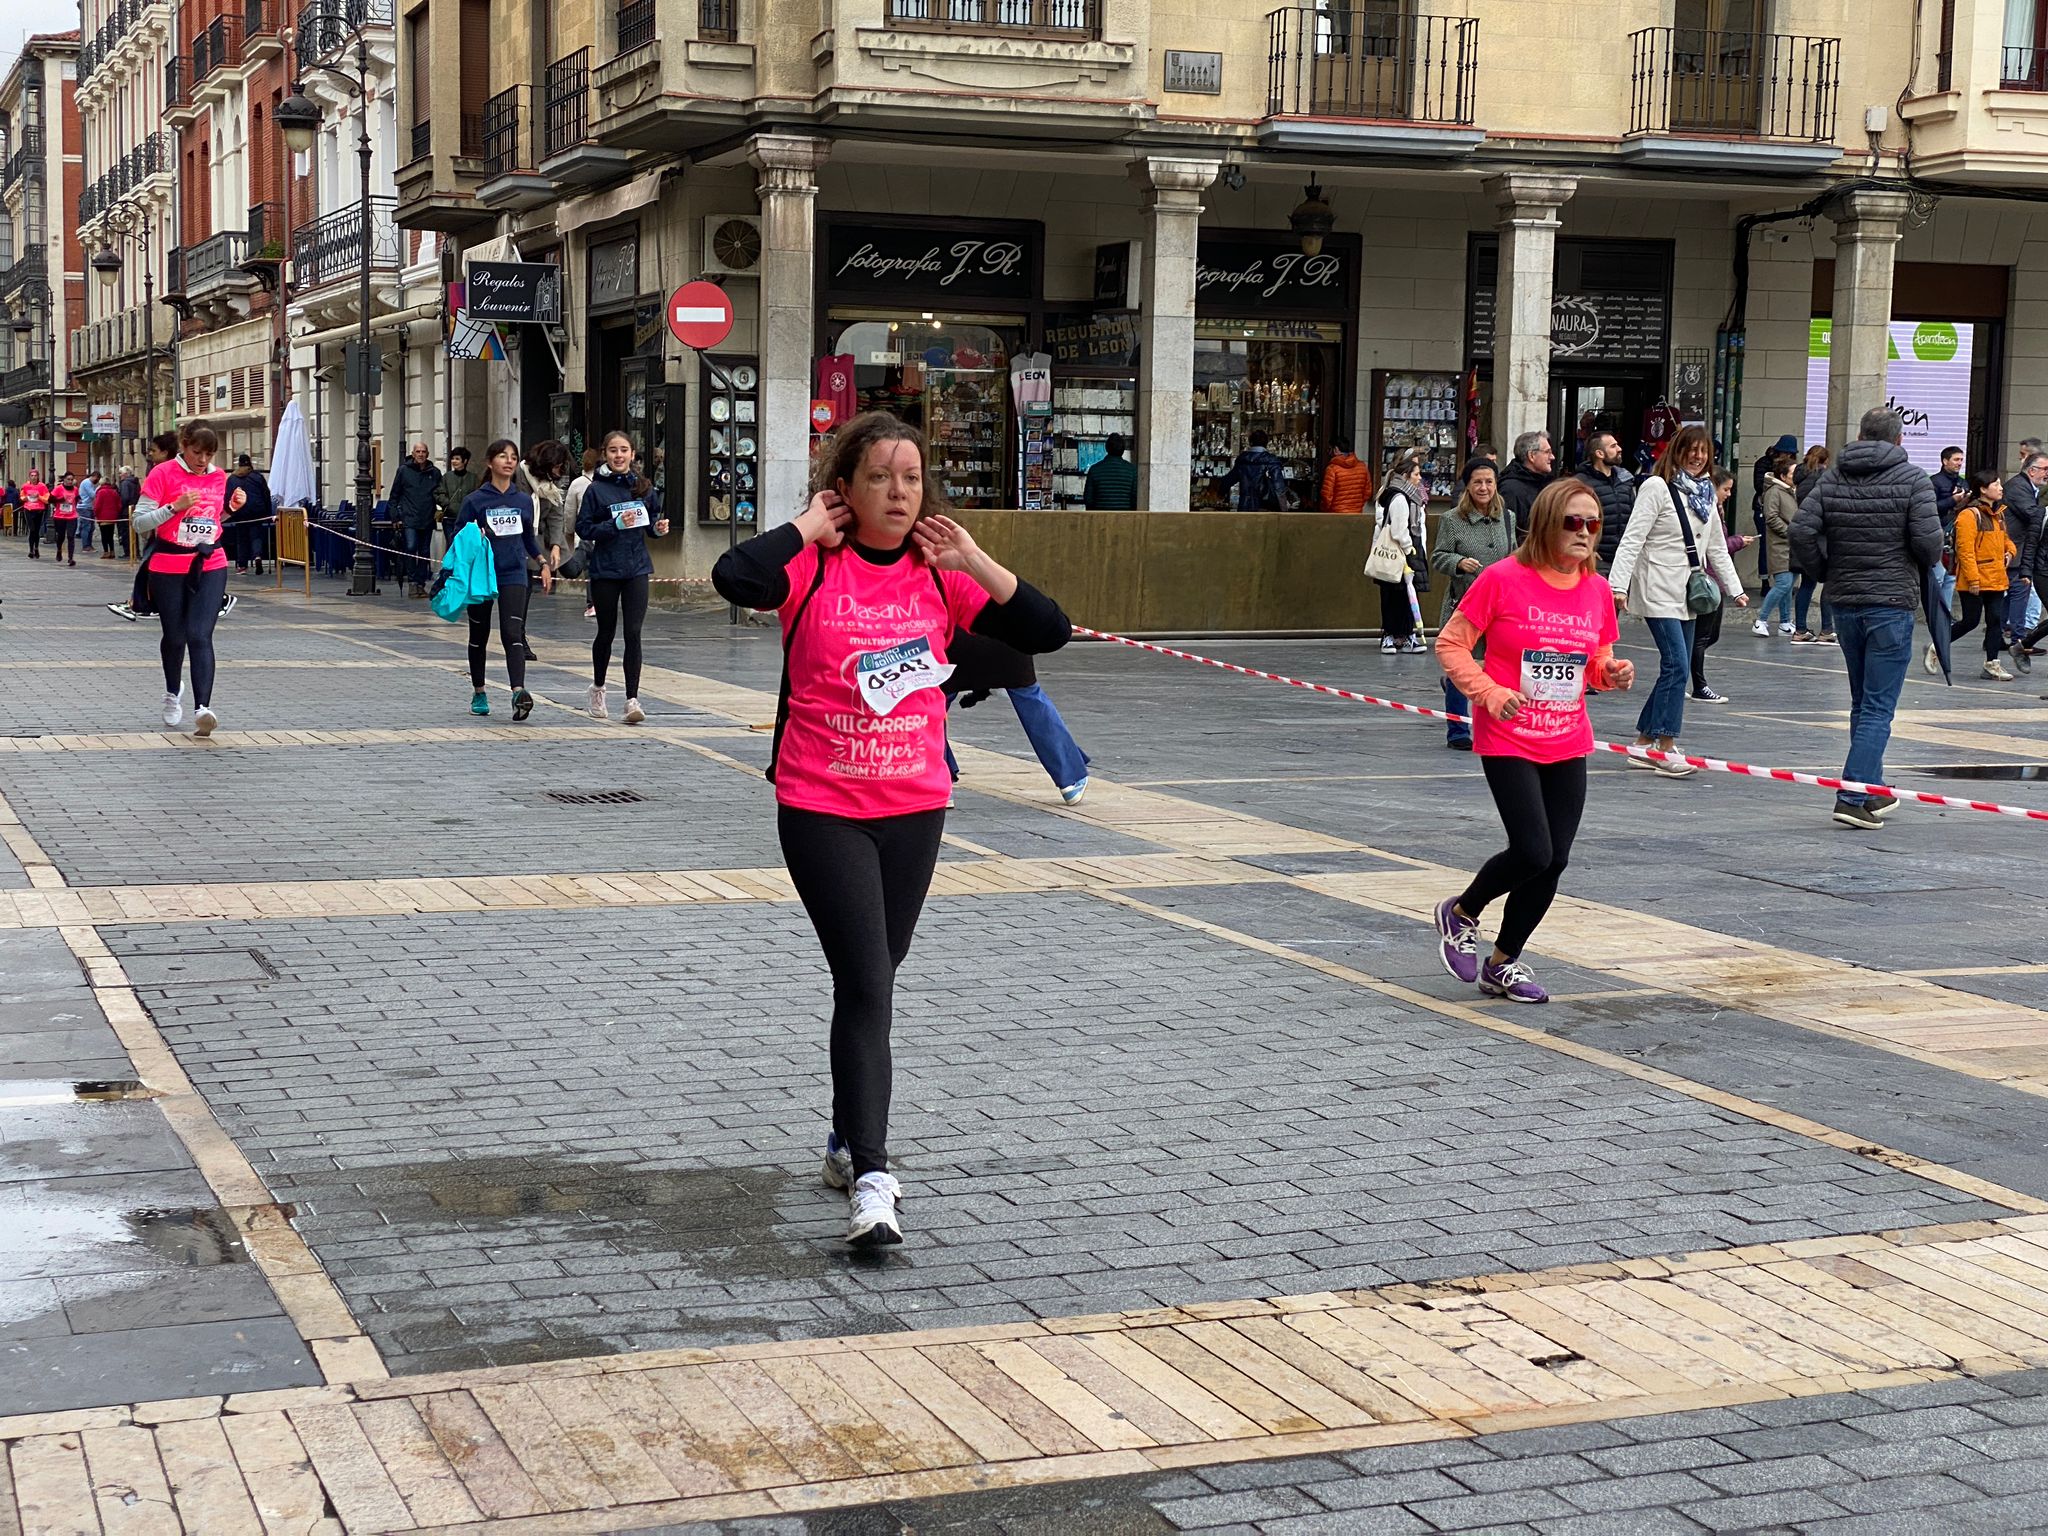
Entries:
{"x":1347,"y":483}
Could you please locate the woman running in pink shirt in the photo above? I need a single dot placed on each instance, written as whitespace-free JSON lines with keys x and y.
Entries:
{"x":1546,"y":618}
{"x":873,"y":581}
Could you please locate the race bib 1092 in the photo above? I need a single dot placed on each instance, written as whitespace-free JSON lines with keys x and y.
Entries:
{"x":887,"y":678}
{"x":196,"y":529}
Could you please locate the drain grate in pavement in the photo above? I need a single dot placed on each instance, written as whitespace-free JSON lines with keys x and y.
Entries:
{"x":596,"y":797}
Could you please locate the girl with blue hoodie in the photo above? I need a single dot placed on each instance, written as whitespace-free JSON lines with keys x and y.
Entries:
{"x":506,"y":516}
{"x":618,"y":511}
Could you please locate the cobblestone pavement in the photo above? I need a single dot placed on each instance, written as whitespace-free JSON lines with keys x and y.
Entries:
{"x":408,"y":1139}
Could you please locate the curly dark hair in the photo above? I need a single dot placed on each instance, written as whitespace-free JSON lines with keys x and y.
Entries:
{"x":547,"y":459}
{"x":849,"y":445}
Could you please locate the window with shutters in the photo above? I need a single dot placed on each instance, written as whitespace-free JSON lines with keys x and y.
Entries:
{"x":418,"y":59}
{"x":475,"y":67}
{"x":236,"y":397}
{"x":259,"y":386}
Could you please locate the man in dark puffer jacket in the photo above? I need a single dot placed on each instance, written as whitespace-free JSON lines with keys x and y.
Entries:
{"x":1615,"y":487}
{"x":1870,"y":531}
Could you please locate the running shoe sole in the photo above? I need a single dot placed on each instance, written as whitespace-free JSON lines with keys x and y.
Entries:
{"x":880,"y":1235}
{"x":205,"y":723}
{"x":522,"y":704}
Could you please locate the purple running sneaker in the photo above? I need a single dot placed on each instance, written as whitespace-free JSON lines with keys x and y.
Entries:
{"x":1460,"y":949}
{"x":1511,"y":981}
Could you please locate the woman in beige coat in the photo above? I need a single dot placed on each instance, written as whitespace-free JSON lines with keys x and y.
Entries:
{"x":1651,"y":569}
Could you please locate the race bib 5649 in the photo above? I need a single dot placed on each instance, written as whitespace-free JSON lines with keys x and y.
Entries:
{"x":505,"y":522}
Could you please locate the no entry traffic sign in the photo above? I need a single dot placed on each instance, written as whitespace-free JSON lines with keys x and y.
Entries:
{"x":700,"y":314}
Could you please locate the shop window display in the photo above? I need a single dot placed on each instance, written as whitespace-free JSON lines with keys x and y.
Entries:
{"x":1284,"y":388}
{"x":950,"y":378}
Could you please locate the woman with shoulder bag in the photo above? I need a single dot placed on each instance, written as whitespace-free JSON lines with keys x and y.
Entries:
{"x":1983,"y":554}
{"x":1480,"y":531}
{"x":1397,"y":532}
{"x":1671,"y":566}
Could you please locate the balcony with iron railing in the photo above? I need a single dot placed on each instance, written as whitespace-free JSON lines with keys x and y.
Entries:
{"x":216,"y":48}
{"x":215,"y":262}
{"x":1375,"y":66}
{"x":28,"y":379}
{"x":566,"y":88}
{"x":718,"y":21}
{"x":422,"y":141}
{"x":1030,"y":18}
{"x":328,"y":26}
{"x":635,"y":24}
{"x":1734,"y":85}
{"x":26,"y":162}
{"x":28,"y":271}
{"x":512,"y":180}
{"x":178,"y":86}
{"x":263,"y":28}
{"x":335,"y":247}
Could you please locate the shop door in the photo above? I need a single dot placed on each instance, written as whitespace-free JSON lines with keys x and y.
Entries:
{"x":611,"y":350}
{"x":1579,"y":407}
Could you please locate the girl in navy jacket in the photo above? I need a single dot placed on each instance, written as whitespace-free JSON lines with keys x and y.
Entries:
{"x":618,"y":512}
{"x":506,"y":516}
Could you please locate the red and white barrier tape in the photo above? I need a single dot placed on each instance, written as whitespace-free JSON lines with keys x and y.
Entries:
{"x":1651,"y":754}
{"x":406,"y":554}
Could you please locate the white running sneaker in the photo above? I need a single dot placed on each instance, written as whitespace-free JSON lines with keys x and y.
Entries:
{"x":1761,"y":627}
{"x":1996,"y":672}
{"x":1676,"y":767}
{"x":1389,"y":645}
{"x":1074,"y":793}
{"x":1932,"y":660}
{"x":838,"y":1162}
{"x":1787,"y":628}
{"x":634,"y":713}
{"x":1415,"y":645}
{"x":598,"y":710}
{"x":174,"y":712}
{"x":871,"y":1220}
{"x":204,"y":721}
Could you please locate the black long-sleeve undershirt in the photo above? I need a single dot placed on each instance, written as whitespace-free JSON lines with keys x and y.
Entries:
{"x":756,"y":575}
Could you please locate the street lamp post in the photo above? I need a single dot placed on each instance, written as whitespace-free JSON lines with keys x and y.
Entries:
{"x":107,"y":263}
{"x":24,"y":327}
{"x":299,"y":121}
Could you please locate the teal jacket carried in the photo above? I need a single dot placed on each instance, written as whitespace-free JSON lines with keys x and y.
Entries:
{"x":469,"y":573}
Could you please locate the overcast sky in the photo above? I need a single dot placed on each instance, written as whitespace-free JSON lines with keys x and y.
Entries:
{"x":26,"y":16}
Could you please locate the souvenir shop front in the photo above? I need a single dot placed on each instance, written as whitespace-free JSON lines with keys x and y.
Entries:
{"x":930,"y":319}
{"x":1275,"y":346}
{"x":1610,"y":339}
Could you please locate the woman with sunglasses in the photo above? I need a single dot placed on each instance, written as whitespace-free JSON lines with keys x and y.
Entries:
{"x":1673,"y":530}
{"x":1545,"y":619}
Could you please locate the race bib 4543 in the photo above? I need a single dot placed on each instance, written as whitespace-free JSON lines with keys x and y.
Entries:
{"x":887,"y":678}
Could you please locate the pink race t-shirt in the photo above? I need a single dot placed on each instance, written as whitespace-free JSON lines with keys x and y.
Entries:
{"x":198,"y":524}
{"x":866,"y":735}
{"x":1540,"y":640}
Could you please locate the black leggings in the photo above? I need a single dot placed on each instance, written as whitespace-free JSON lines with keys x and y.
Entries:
{"x":863,"y":884}
{"x":511,"y":605}
{"x":64,"y":537}
{"x":1988,"y":607}
{"x":1540,"y":805}
{"x":188,"y":614}
{"x":106,"y":538}
{"x":606,"y":594}
{"x":1706,"y":629}
{"x":34,"y":522}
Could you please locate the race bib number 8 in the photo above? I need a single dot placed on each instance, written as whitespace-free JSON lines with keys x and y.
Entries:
{"x":197,"y":529}
{"x":505,"y":522}
{"x":887,"y":678}
{"x":1553,"y":677}
{"x":630,"y":514}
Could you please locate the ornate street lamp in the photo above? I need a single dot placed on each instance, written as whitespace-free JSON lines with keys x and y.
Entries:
{"x":298,"y":119}
{"x":108,"y":264}
{"x":1312,"y":219}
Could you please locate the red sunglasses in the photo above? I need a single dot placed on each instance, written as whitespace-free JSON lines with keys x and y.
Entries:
{"x":1574,"y":523}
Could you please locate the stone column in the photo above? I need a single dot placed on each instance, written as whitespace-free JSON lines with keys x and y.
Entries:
{"x":788,"y":187}
{"x":1866,"y":240}
{"x":1166,"y":327}
{"x":1528,"y":203}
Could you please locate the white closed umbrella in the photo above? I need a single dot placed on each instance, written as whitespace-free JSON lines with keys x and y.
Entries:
{"x":291,"y":460}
